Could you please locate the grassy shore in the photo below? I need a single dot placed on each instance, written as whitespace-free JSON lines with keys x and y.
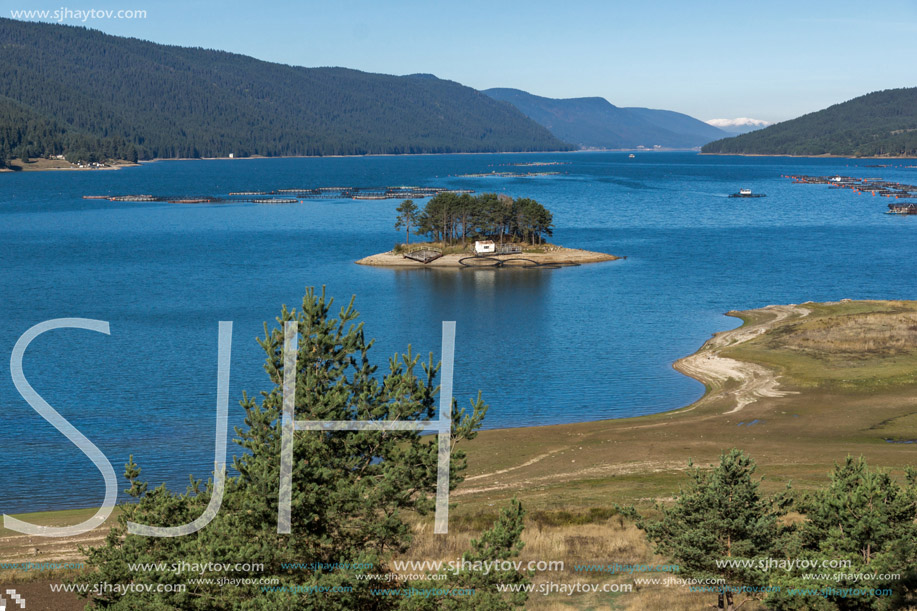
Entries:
{"x":40,"y":164}
{"x":813,"y":383}
{"x":845,"y":378}
{"x":842,"y":380}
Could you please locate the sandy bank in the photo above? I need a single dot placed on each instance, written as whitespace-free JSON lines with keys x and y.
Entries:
{"x":754,"y":381}
{"x":557,"y":255}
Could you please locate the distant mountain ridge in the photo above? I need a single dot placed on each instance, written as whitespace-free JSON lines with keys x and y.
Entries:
{"x":882,"y":123}
{"x":740,"y":125}
{"x":109,"y":95}
{"x":597,"y":123}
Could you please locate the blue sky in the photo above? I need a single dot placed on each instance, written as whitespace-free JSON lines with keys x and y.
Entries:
{"x":771,"y":61}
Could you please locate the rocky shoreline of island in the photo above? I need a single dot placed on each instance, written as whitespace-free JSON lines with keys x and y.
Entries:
{"x":548,"y":256}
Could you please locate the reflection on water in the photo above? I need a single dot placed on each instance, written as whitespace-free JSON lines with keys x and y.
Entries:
{"x":544,"y":346}
{"x":502,"y":317}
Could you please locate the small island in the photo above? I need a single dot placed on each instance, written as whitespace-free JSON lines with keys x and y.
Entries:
{"x":483,"y":231}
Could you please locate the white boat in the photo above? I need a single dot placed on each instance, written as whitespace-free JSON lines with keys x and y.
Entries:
{"x":746,"y":193}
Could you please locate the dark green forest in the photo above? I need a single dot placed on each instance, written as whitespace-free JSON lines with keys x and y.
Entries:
{"x":883,"y":123}
{"x":25,"y":133}
{"x":71,"y":90}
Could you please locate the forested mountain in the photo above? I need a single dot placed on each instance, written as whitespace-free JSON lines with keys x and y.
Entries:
{"x":64,"y":86}
{"x":879,"y":123}
{"x":596,"y":123}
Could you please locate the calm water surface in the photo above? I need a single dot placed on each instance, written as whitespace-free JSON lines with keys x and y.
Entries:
{"x":544,"y":346}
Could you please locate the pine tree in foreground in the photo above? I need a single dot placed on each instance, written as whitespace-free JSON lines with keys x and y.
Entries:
{"x":352,"y":491}
{"x":859,"y":536}
{"x":717,"y":519}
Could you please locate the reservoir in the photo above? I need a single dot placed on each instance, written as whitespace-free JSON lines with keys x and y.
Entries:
{"x":543,"y":346}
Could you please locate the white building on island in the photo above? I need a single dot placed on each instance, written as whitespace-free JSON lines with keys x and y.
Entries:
{"x":482,"y":247}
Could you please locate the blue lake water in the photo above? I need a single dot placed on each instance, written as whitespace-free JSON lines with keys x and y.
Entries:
{"x":544,"y":346}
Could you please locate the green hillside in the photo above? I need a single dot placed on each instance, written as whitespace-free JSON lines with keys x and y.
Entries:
{"x":63,"y":87}
{"x":883,"y":123}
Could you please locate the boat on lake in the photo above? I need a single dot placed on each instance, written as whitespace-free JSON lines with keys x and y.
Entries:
{"x":904,"y":208}
{"x":746,"y":193}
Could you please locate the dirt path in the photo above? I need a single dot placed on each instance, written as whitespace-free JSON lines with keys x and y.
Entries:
{"x":755,"y":381}
{"x":527,"y":463}
{"x":25,"y":549}
{"x":567,"y":473}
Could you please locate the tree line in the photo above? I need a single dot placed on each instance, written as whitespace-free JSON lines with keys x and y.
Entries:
{"x":25,"y":134}
{"x":453,"y":218}
{"x":166,"y":102}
